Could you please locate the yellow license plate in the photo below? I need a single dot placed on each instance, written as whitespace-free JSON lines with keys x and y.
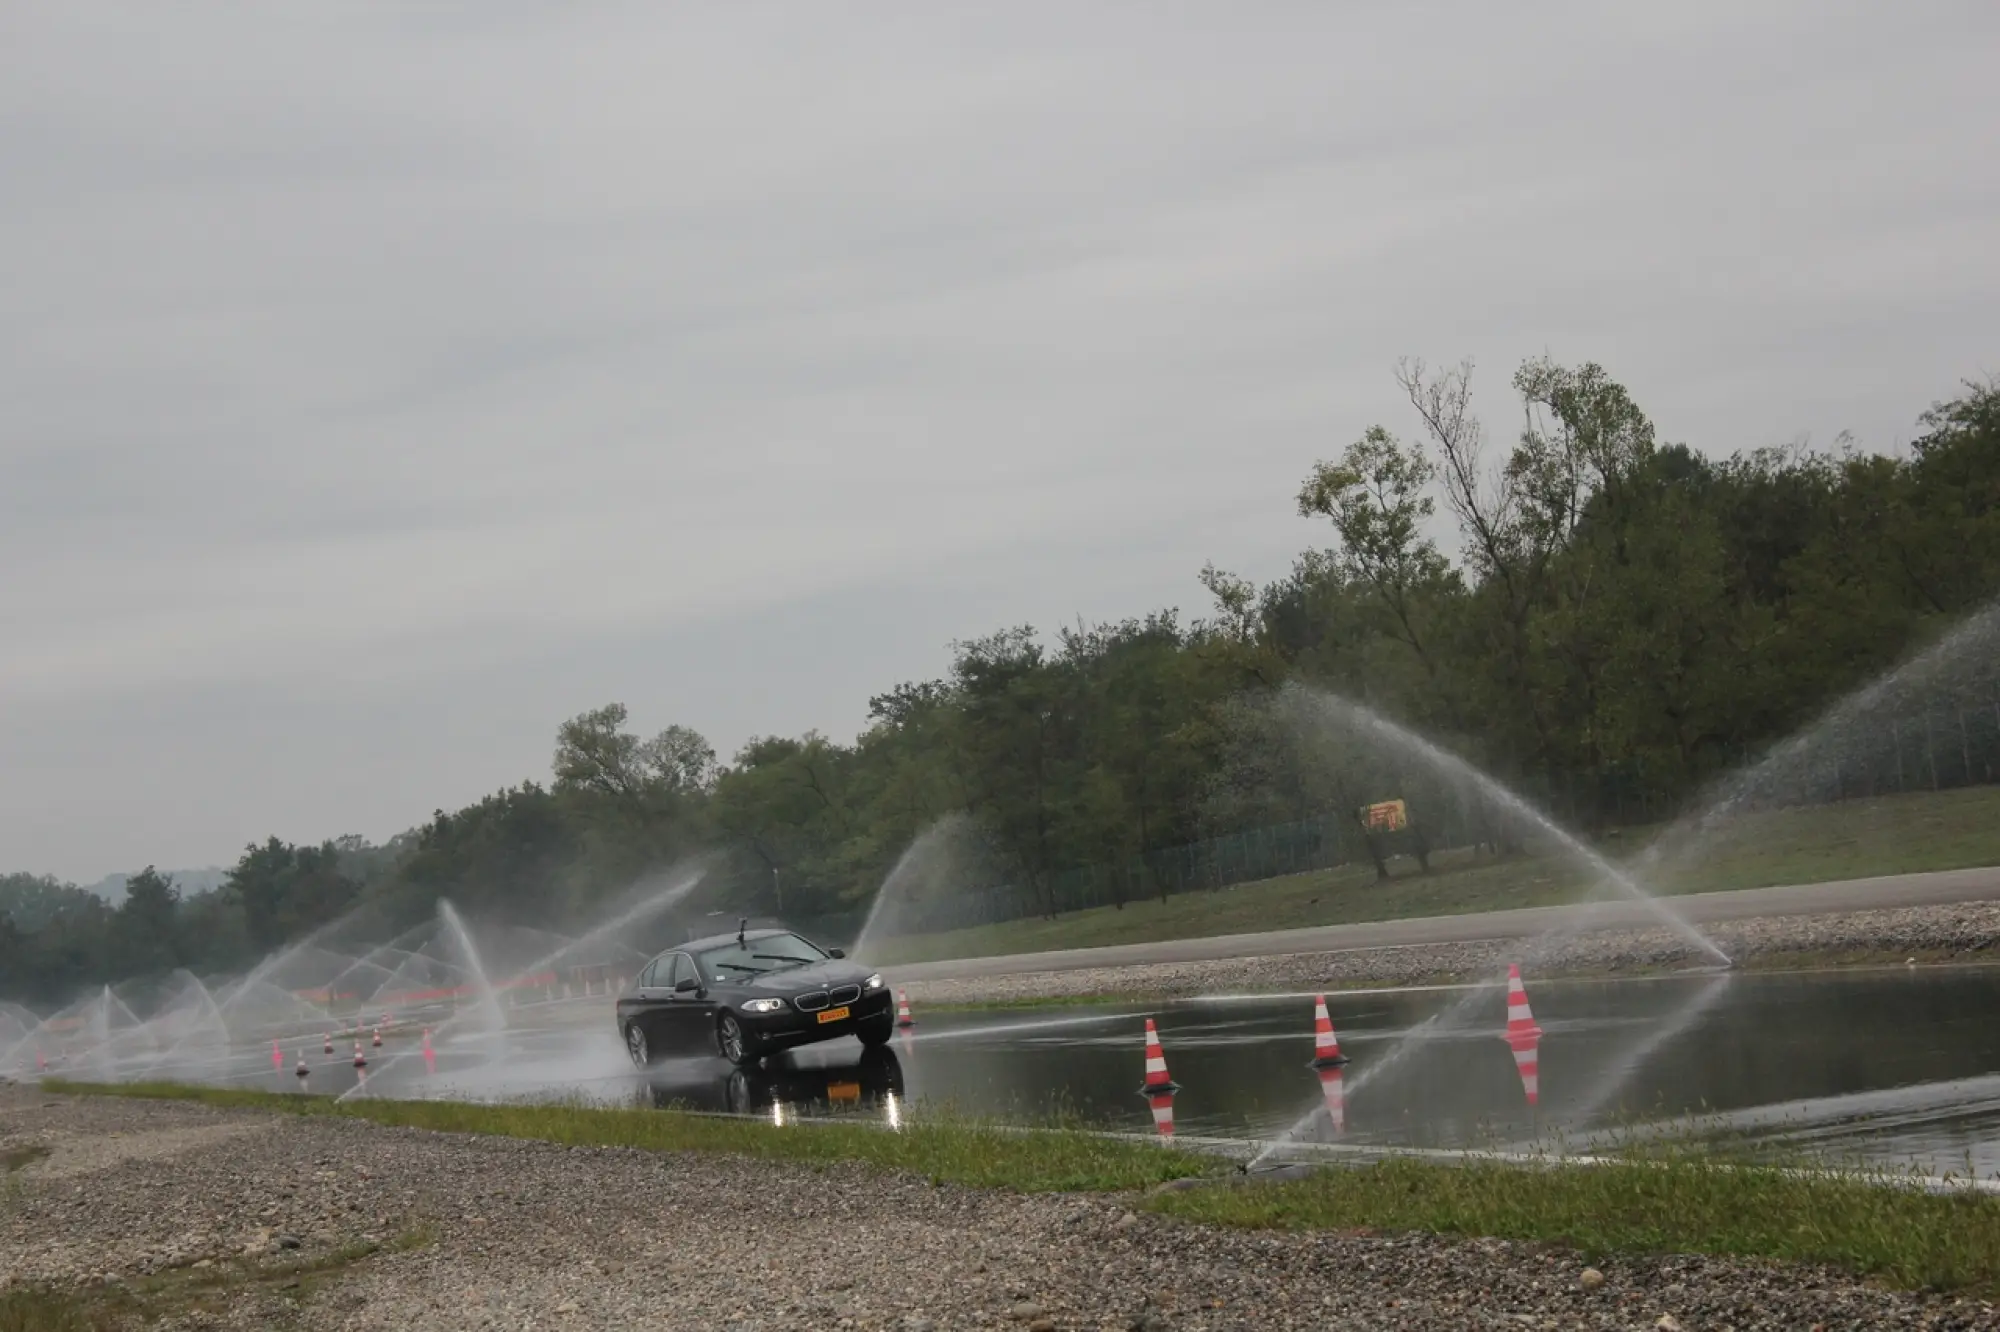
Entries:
{"x":833,"y":1015}
{"x":843,"y":1091}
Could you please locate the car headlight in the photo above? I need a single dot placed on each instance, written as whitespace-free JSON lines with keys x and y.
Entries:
{"x":874,"y":982}
{"x":762,"y":1005}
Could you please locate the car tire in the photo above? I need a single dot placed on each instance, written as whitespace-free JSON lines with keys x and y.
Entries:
{"x":876,"y":1034}
{"x":738,"y":1046}
{"x":636,"y":1048}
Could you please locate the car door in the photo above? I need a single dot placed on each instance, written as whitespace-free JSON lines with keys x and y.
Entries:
{"x":689,"y":1014}
{"x":650,"y":1008}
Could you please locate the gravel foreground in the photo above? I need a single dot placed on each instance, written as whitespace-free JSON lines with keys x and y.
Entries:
{"x":518,"y":1234}
{"x":1968,"y":932}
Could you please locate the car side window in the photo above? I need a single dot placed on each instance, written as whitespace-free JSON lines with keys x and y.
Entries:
{"x":650,"y":977}
{"x":683,"y":969}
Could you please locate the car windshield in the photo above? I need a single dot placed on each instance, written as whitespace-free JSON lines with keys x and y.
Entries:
{"x":754,"y":957}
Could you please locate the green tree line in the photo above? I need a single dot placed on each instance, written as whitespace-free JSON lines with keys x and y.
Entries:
{"x":1605,"y":619}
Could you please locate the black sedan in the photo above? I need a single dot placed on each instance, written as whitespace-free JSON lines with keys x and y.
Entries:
{"x":748,"y":994}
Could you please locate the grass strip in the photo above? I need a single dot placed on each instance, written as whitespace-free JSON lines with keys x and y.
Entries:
{"x":944,"y":1148}
{"x":1671,"y":1199}
{"x":1676,"y":1202}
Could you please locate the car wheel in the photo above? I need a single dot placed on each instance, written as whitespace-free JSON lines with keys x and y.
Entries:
{"x":875,"y":1034}
{"x":737,"y":1045}
{"x":635,"y":1045}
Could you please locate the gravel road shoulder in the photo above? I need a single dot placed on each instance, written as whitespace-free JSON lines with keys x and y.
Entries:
{"x":521,"y":1234}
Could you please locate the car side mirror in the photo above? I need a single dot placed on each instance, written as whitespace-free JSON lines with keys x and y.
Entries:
{"x":836,"y":952}
{"x":686,"y":985}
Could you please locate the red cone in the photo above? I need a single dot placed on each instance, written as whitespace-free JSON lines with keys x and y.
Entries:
{"x":1157,"y":1080}
{"x":378,"y":1038}
{"x":360,"y":1060}
{"x":302,"y":1070}
{"x":903,"y":1018}
{"x":1326,"y":1050}
{"x":1163,"y":1113}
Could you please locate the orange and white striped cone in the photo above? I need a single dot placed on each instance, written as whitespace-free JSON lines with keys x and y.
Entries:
{"x":277,"y":1056}
{"x":302,"y":1071}
{"x":1524,"y":1038}
{"x":903,"y":1018}
{"x":1520,"y":1021}
{"x":326,"y":1041}
{"x":1326,"y":1049}
{"x":360,"y":1059}
{"x":1335,"y":1096}
{"x":1158,"y":1082}
{"x":378,"y":1038}
{"x":1163,"y":1112}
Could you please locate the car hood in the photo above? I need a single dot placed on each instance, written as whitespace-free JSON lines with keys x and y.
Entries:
{"x":798,"y":980}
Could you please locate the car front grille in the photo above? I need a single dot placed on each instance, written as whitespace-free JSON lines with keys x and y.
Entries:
{"x":845,"y":994}
{"x":810,"y":1003}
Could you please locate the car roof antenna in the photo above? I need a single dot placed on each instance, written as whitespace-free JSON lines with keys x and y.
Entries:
{"x":742,"y":925}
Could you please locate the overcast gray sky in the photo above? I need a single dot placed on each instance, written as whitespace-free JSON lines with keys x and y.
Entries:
{"x":385,"y":383}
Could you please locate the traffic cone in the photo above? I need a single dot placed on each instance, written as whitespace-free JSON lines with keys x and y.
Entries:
{"x":302,"y":1071}
{"x":903,"y":1018}
{"x":360,"y":1060}
{"x":427,"y":1038}
{"x":41,"y":1061}
{"x":1163,"y":1113}
{"x":1524,"y":1038}
{"x":277,"y":1056}
{"x":1335,"y":1096}
{"x":326,"y":1042}
{"x":1326,"y":1050}
{"x":378,"y":1038}
{"x":1520,"y":1022}
{"x":430,"y":1060}
{"x":1157,"y":1082}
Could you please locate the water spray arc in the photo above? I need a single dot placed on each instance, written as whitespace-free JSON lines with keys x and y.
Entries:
{"x":1341,"y":712}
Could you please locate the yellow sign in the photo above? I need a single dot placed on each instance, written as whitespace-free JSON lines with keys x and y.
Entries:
{"x":1385,"y":816}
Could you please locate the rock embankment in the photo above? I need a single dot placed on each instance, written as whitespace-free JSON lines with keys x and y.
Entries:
{"x":1967,"y":933}
{"x":509,"y":1234}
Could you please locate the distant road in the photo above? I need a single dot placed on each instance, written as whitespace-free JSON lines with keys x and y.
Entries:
{"x":1941,"y":888}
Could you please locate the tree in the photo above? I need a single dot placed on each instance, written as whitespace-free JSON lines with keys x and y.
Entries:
{"x":146,"y":933}
{"x":681,"y":759}
{"x":595,"y":753}
{"x":1375,"y":498}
